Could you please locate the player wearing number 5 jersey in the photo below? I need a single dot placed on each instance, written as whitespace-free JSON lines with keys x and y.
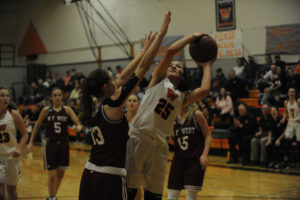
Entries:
{"x":147,"y":149}
{"x":192,"y":142}
{"x":10,"y":150}
{"x":104,"y":174}
{"x":56,"y":146}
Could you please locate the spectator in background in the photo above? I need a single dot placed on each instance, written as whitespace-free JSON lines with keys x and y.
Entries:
{"x":291,"y":81}
{"x":245,"y":125}
{"x":67,"y":77}
{"x":41,"y":90}
{"x":224,"y":106}
{"x":280,"y":63}
{"x":239,"y":68}
{"x":59,"y":83}
{"x":297,"y":69}
{"x":275,"y":136}
{"x":218,"y":82}
{"x":258,"y":142}
{"x":75,"y":94}
{"x":73,"y":75}
{"x":271,"y":74}
{"x":249,"y":73}
{"x":119,"y":71}
{"x":236,"y":87}
{"x":268,"y":62}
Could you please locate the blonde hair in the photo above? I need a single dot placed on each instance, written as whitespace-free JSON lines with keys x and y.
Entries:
{"x":190,"y":109}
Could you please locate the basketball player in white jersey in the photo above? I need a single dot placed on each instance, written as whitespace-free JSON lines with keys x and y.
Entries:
{"x":147,"y":150}
{"x":10,"y":150}
{"x":292,"y":110}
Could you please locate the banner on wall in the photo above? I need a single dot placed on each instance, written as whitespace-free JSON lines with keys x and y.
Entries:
{"x":229,"y":43}
{"x":283,"y":39}
{"x":167,"y":41}
{"x":225,"y":15}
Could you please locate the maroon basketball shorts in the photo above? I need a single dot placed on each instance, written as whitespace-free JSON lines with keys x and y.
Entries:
{"x":56,"y":155}
{"x":186,"y":174}
{"x":95,"y":185}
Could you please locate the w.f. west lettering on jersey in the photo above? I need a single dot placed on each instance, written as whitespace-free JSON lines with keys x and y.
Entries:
{"x":172,"y":95}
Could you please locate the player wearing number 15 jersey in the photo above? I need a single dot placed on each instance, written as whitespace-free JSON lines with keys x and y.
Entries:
{"x":192,"y":142}
{"x":56,"y":147}
{"x":147,"y":150}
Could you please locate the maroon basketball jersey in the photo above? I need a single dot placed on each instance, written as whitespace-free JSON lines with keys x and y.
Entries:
{"x":109,"y":140}
{"x":57,"y":125}
{"x":188,"y":138}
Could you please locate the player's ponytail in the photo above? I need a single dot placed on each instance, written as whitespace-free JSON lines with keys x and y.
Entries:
{"x":92,"y":87}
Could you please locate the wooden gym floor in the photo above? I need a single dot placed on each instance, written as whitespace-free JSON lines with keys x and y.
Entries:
{"x":222,"y":182}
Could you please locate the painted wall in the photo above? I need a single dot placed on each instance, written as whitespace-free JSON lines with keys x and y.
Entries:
{"x":60,"y":28}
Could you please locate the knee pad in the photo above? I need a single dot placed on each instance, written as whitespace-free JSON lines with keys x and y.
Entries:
{"x":131,"y":193}
{"x":173,"y":194}
{"x":152,"y":196}
{"x":191,"y":194}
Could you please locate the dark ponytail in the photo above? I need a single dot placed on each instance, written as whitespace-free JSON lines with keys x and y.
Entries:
{"x":92,"y":87}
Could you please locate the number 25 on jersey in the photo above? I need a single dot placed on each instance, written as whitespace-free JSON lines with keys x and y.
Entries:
{"x":163,"y":108}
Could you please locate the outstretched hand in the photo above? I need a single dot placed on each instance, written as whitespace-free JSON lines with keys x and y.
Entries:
{"x":165,"y":25}
{"x":148,"y":40}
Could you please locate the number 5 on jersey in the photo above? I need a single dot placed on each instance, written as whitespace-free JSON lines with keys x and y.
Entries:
{"x":97,"y":136}
{"x":163,"y":108}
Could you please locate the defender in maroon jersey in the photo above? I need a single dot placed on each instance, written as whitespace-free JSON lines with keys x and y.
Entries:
{"x":102,"y":103}
{"x":192,"y":142}
{"x":56,"y":155}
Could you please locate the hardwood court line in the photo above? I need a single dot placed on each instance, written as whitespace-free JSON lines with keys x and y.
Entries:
{"x":255,"y":169}
{"x":285,"y":191}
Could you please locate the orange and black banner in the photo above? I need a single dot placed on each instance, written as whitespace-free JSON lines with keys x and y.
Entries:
{"x":225,"y":15}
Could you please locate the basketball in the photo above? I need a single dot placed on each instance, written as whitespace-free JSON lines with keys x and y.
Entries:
{"x":203,"y":49}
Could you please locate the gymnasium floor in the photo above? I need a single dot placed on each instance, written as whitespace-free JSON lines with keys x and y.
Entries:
{"x":222,"y":182}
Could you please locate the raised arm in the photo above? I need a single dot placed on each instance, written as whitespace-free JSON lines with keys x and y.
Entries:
{"x":37,"y":127}
{"x":200,"y":92}
{"x":160,"y":71}
{"x":131,"y":67}
{"x":148,"y":58}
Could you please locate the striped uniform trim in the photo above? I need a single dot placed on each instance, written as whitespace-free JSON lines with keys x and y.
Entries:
{"x":193,"y":187}
{"x":106,"y":169}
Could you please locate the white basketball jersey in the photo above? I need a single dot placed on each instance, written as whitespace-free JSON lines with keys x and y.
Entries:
{"x":8,"y":139}
{"x":293,"y":111}
{"x":158,"y":110}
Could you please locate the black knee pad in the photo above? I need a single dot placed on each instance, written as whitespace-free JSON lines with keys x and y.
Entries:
{"x":2,"y":197}
{"x":131,"y":193}
{"x":152,"y":196}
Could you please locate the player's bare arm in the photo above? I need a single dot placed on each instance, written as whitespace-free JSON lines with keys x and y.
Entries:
{"x":22,"y":128}
{"x":131,"y":67}
{"x":207,"y":135}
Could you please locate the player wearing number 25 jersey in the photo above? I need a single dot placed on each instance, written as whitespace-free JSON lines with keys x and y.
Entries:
{"x":147,"y":150}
